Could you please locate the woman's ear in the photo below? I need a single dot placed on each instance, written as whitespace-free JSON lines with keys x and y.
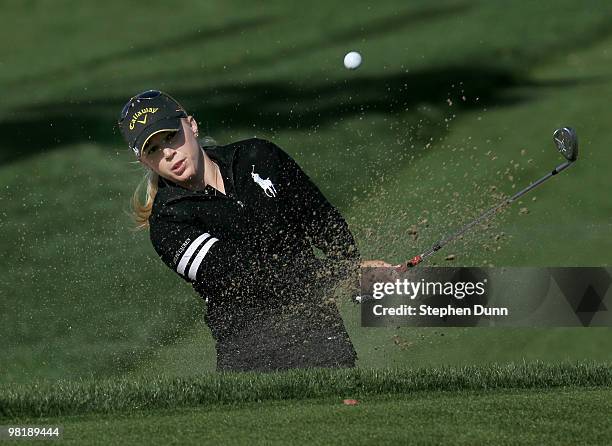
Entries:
{"x":193,"y":124}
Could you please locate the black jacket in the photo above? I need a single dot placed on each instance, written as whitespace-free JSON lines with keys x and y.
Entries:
{"x":251,"y":250}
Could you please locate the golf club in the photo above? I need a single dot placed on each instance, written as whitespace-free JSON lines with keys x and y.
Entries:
{"x":565,"y":140}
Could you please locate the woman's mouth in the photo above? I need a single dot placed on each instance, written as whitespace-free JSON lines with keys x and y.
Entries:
{"x":178,"y":167}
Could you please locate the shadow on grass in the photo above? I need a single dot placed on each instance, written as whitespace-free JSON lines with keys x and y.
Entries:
{"x":271,"y":106}
{"x":189,"y":39}
{"x":196,"y":38}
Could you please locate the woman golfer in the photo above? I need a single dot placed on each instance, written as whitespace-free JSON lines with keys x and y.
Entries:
{"x":239,"y":223}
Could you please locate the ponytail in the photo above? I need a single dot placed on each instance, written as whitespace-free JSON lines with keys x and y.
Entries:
{"x":142,"y":211}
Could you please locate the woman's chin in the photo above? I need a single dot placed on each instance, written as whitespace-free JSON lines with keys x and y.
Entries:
{"x":184,"y":177}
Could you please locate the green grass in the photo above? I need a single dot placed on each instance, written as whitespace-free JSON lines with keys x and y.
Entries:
{"x":559,"y":416}
{"x":127,"y":395}
{"x":82,"y":296}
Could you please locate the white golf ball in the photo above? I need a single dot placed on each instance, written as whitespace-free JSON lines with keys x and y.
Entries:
{"x":352,"y":60}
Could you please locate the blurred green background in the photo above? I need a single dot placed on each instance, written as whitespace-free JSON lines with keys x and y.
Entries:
{"x":452,"y":109}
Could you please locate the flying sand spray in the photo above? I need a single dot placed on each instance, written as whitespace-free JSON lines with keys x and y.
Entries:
{"x":565,"y":140}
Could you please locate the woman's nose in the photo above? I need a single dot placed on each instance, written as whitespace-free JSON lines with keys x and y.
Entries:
{"x":168,"y":152}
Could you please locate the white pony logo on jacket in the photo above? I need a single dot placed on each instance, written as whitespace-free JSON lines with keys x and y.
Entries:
{"x":266,"y":184}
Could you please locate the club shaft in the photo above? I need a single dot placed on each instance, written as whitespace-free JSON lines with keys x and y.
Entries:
{"x":437,"y":246}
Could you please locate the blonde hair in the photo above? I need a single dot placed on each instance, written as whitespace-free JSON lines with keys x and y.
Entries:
{"x":142,"y":211}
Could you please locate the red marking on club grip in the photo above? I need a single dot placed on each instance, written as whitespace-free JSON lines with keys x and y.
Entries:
{"x":414,"y":261}
{"x":409,"y":264}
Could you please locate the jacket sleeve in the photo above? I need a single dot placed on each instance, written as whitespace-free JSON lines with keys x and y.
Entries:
{"x":197,"y":252}
{"x":320,"y":220}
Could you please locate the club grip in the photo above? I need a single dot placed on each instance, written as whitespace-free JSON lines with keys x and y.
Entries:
{"x":409,"y":264}
{"x":414,"y":261}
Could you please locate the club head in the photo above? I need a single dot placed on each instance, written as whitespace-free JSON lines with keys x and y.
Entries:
{"x":566,"y":141}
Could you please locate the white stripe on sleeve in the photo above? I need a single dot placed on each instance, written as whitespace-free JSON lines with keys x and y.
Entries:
{"x":187,"y":255}
{"x":193,"y":270}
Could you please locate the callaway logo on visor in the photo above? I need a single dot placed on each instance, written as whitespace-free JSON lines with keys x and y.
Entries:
{"x":142,"y":114}
{"x":149,"y":113}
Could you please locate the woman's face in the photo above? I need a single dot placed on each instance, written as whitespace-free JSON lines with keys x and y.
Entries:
{"x":176,"y":156}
